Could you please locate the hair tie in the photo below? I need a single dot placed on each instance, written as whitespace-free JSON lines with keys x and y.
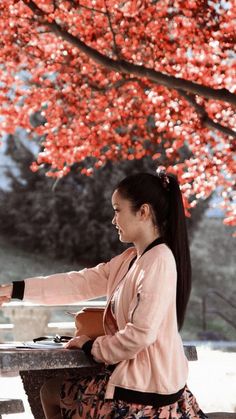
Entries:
{"x":161,"y":173}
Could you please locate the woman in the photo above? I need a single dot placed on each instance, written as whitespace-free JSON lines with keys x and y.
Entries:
{"x":147,"y":289}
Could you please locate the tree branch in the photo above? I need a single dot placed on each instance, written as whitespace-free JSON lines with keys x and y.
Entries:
{"x":206,"y":120}
{"x":123,"y":66}
{"x":116,"y":49}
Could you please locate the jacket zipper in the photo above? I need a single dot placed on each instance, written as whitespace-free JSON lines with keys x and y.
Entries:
{"x":135,"y":308}
{"x":117,"y":285}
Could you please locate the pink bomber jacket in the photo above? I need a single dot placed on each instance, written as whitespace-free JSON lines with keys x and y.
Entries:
{"x":147,"y":348}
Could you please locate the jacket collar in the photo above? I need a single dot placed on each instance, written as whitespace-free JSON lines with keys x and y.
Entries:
{"x":159,"y":240}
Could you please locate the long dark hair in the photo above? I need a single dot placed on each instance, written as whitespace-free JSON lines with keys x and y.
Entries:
{"x":162,"y":192}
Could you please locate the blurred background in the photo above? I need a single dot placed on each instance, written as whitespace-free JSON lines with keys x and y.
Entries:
{"x":50,"y":226}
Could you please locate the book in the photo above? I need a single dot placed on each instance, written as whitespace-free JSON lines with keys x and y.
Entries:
{"x":47,"y":344}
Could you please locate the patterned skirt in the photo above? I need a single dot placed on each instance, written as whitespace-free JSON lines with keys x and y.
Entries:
{"x":84,"y":398}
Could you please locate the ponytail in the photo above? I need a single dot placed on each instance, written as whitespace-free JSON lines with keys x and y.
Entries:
{"x":177,"y":239}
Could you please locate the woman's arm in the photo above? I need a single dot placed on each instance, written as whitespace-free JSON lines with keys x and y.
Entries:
{"x":62,"y":288}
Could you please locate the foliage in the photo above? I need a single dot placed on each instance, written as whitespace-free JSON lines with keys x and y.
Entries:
{"x":115,"y":80}
{"x":70,"y":218}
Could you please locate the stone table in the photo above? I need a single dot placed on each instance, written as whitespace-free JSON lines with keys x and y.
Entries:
{"x":37,"y":365}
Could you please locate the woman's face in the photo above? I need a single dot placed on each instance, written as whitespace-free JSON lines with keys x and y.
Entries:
{"x":125,"y":219}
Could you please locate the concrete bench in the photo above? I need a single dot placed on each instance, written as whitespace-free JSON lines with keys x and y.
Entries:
{"x":23,"y":319}
{"x":6,"y":331}
{"x":10,"y":406}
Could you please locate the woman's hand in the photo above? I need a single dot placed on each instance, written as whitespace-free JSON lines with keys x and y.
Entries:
{"x":5,"y":293}
{"x":77,"y":342}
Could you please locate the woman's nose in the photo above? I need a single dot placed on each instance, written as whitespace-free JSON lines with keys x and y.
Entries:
{"x":113,"y":221}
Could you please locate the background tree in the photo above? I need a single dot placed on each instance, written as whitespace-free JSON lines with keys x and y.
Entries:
{"x":69,"y":219}
{"x":113,"y":80}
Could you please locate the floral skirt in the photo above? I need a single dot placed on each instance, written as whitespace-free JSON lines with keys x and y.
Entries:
{"x":83,"y":398}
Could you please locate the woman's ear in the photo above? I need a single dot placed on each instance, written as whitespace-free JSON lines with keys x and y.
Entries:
{"x":145,"y":211}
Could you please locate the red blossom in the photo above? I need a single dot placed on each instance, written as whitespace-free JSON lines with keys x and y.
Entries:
{"x":103,"y":74}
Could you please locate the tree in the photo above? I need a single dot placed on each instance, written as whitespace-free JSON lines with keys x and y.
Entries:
{"x":70,"y":219}
{"x":123,"y":79}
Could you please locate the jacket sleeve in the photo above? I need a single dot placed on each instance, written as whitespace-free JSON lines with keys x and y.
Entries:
{"x":154,"y":301}
{"x":68,"y":288}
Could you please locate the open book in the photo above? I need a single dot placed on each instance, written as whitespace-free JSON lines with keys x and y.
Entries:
{"x":46,"y":344}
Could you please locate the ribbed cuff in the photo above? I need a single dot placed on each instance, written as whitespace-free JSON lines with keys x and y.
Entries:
{"x":18,"y":290}
{"x":87,"y":347}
